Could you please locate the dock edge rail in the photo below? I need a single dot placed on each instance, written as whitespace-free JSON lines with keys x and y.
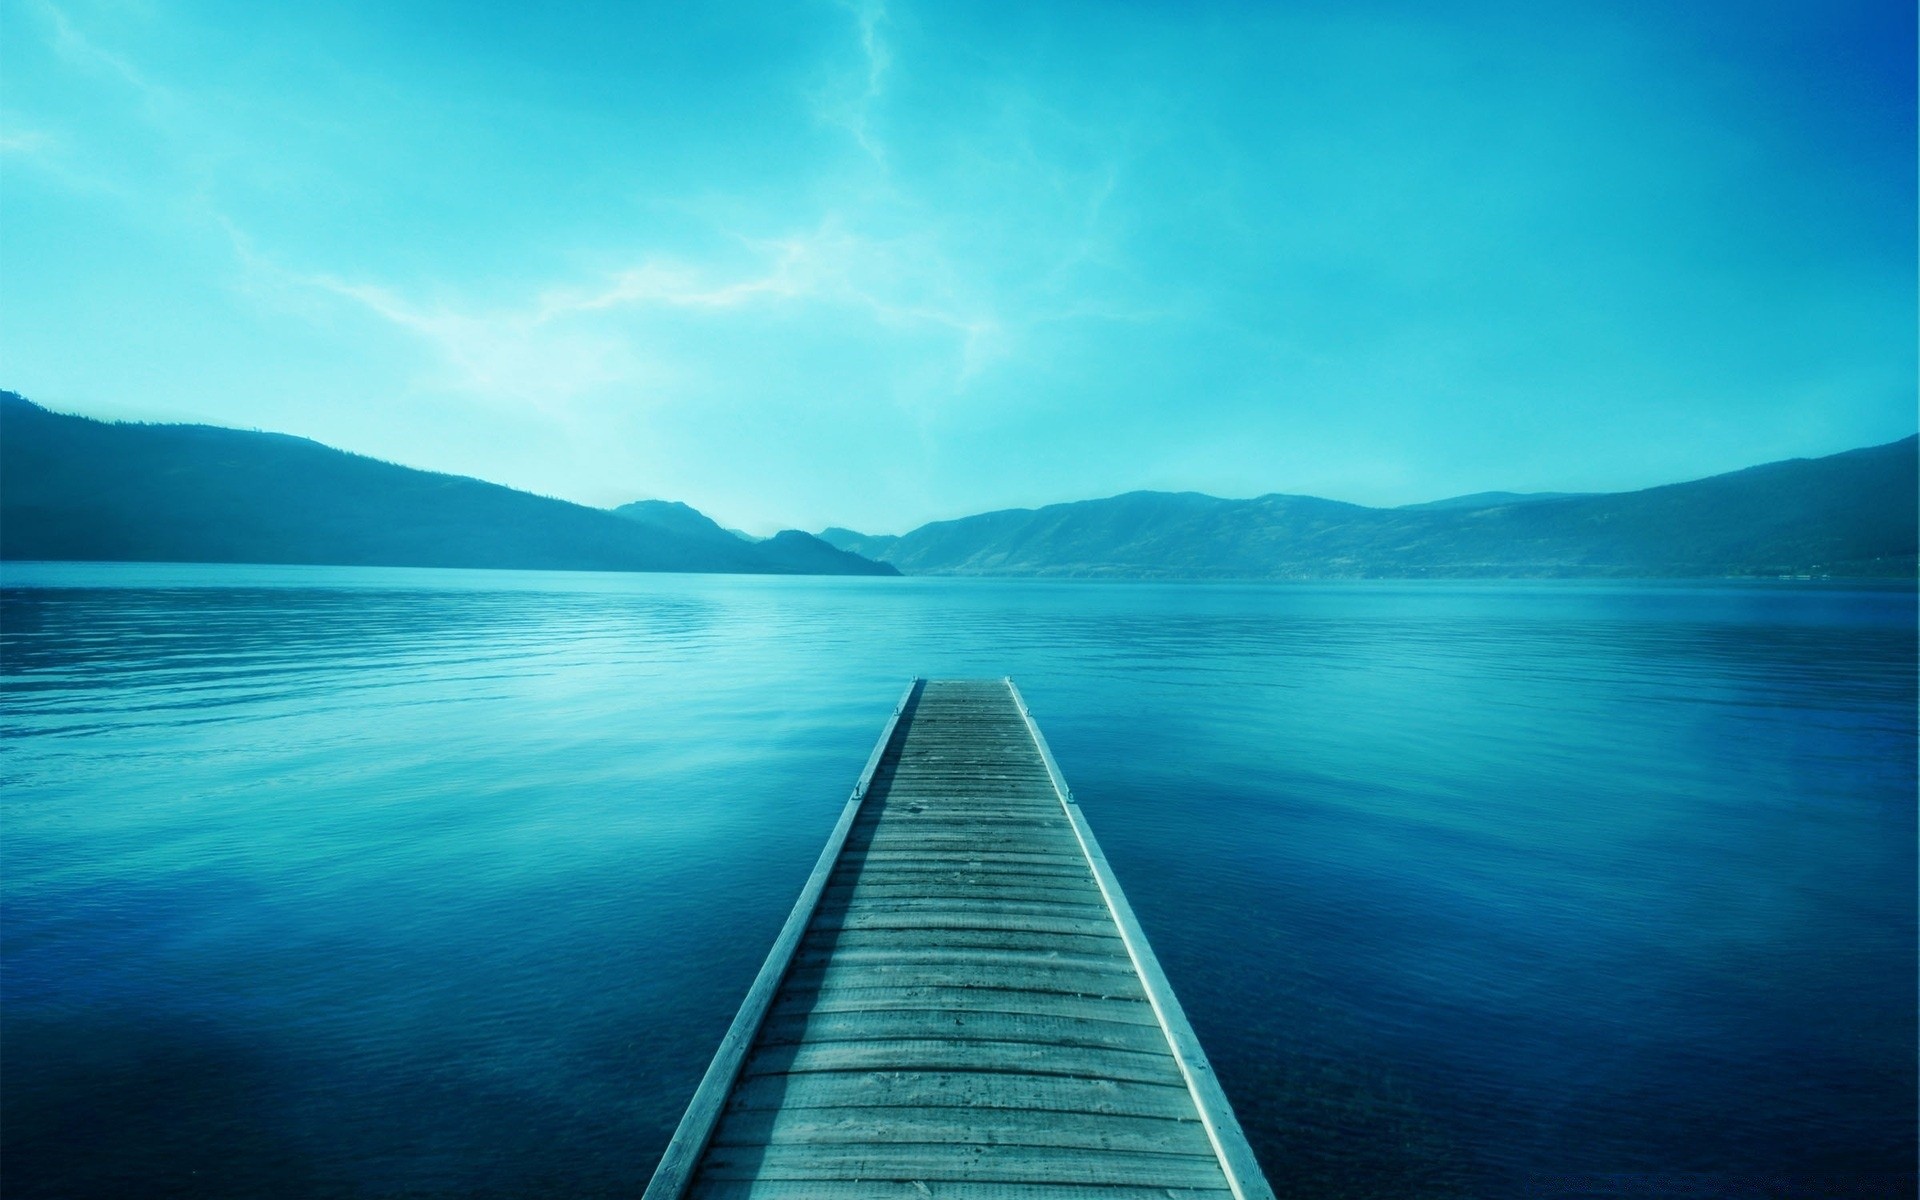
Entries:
{"x":1243,"y":1171}
{"x":690,"y":1138}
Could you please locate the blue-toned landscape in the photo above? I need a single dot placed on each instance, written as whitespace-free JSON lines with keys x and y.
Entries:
{"x":518,"y":523}
{"x":328,"y":881}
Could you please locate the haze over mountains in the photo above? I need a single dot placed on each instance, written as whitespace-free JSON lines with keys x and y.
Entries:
{"x":1846,"y":515}
{"x":78,"y":489}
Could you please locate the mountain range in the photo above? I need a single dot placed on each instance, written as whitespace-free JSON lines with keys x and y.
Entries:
{"x":75,"y":488}
{"x":80,"y":489}
{"x":1845,"y":515}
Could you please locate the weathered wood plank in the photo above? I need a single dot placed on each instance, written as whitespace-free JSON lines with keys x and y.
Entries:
{"x":939,"y":833}
{"x":958,"y":870}
{"x":985,"y":909}
{"x":963,"y":1054}
{"x":983,"y":1126}
{"x":1133,"y":1009}
{"x":937,"y":837}
{"x":876,"y":917}
{"x":919,"y":788}
{"x":1076,"y":980}
{"x":960,"y":1024}
{"x":972,"y":939}
{"x":972,"y":883}
{"x":964,"y":1090}
{"x":939,"y":815}
{"x":960,"y":1161}
{"x":961,"y":891}
{"x":836,"y":1189}
{"x":980,"y":964}
{"x":1071,"y":861}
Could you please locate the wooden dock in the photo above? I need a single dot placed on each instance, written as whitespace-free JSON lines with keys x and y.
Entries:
{"x":961,"y":1004}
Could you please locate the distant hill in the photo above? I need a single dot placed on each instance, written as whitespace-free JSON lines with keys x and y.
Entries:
{"x":789,"y":550}
{"x":74,"y":488}
{"x":872,"y":545}
{"x":679,"y":520}
{"x":806,"y":554}
{"x":1847,"y":515}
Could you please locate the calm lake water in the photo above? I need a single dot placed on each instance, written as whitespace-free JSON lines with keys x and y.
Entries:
{"x":341,"y":882}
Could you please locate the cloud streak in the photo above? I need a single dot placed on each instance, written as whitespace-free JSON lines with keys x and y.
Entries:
{"x":74,"y":46}
{"x":850,"y":105}
{"x":569,"y":339}
{"x":15,"y":140}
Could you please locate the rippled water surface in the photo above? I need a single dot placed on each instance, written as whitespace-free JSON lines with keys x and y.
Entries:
{"x":353,"y":882}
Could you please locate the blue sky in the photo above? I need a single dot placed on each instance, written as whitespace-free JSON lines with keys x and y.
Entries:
{"x":876,"y":263}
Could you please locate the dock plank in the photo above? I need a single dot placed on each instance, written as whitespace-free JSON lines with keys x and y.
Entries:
{"x":961,"y":891}
{"x":1078,"y":981}
{"x":960,"y":1024}
{"x":960,"y":1161}
{"x":968,"y":939}
{"x":993,"y":1127}
{"x":972,"y":964}
{"x":962,"y":1054}
{"x":969,"y":1090}
{"x":775,"y":1189}
{"x":912,"y":858}
{"x":1027,"y":1001}
{"x":1031,"y":919}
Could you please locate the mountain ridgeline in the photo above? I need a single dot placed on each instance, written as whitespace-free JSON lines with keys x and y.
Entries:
{"x":1848,"y":515}
{"x":789,"y":551}
{"x":78,"y":489}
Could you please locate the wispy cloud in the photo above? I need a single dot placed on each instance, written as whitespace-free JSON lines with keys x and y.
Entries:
{"x":872,"y":253}
{"x":72,"y":44}
{"x":523,"y":357}
{"x":134,"y":138}
{"x":900,"y":283}
{"x":850,"y":103}
{"x":567,"y":340}
{"x":15,"y":140}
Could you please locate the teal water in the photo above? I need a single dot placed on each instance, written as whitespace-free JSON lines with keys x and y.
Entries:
{"x":344,"y":882}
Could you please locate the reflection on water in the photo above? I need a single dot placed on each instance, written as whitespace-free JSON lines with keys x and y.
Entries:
{"x":360,"y":882}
